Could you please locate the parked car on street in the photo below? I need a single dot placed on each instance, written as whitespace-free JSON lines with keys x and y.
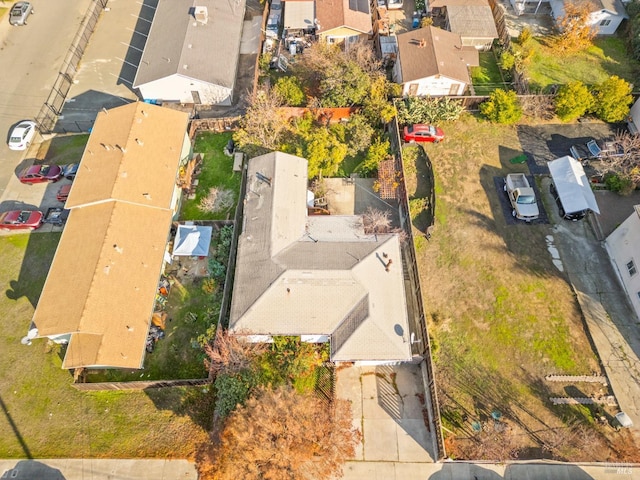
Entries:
{"x":20,"y":219}
{"x":22,"y":135}
{"x":40,"y":174}
{"x":63,"y":193}
{"x":20,"y":12}
{"x":395,"y":4}
{"x":69,"y":171}
{"x":422,"y":133}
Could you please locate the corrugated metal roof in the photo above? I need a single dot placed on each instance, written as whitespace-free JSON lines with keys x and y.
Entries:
{"x":209,"y":51}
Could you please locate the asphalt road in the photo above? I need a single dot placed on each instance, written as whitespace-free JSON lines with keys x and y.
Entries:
{"x":30,"y":58}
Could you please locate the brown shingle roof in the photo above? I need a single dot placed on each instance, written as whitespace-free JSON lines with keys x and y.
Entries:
{"x":354,"y":14}
{"x":101,"y":286}
{"x":442,"y":54}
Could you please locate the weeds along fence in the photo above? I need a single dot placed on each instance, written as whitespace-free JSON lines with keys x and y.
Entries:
{"x":223,"y":124}
{"x":48,"y":115}
{"x":421,"y":345}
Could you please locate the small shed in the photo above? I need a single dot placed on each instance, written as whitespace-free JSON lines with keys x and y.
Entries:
{"x":192,"y":241}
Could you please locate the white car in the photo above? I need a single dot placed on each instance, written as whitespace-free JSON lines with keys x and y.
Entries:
{"x":22,"y":135}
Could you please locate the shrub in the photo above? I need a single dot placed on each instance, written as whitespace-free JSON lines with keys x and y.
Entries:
{"x":612,"y":99}
{"x":572,"y":101}
{"x":619,"y":184}
{"x":291,"y":91}
{"x":507,"y":60}
{"x":231,"y":391}
{"x":525,"y":35}
{"x":378,"y":151}
{"x":502,"y":107}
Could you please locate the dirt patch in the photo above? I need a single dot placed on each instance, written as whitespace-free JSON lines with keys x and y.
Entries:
{"x":501,"y":315}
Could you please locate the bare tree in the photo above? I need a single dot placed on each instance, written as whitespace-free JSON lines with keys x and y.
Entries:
{"x":621,"y":156}
{"x":264,"y":125}
{"x":376,"y":221}
{"x":537,"y":106}
{"x":231,"y":354}
{"x":283,"y":435}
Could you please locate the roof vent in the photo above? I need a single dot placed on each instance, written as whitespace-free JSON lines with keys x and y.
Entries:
{"x":201,"y":14}
{"x":139,"y":142}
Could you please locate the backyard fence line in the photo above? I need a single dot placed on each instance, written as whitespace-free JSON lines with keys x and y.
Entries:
{"x":222,"y":124}
{"x":419,"y":321}
{"x":140,"y":385}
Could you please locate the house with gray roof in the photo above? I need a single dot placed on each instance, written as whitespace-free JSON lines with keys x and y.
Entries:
{"x":432,"y":61}
{"x":471,"y":19}
{"x":192,"y":52}
{"x":321,"y":278}
{"x":605,"y":18}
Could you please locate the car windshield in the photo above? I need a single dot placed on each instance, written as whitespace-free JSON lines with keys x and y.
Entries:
{"x":23,"y":217}
{"x":526,"y":199}
{"x":15,"y":139}
{"x":45,"y":170}
{"x":432,"y":130}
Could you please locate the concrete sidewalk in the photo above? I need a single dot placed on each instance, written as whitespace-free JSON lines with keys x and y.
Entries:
{"x":92,"y":469}
{"x":488,"y":471}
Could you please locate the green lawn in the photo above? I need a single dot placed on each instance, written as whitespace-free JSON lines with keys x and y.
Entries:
{"x":486,"y":77}
{"x":606,"y":57}
{"x":42,"y":416}
{"x":217,"y":172}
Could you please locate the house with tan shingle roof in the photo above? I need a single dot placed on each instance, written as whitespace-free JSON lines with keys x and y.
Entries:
{"x":319,"y":277}
{"x":100,"y":292}
{"x":432,"y":61}
{"x":343,"y":20}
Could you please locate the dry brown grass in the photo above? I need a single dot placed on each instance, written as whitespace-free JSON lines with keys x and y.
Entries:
{"x":500,"y":314}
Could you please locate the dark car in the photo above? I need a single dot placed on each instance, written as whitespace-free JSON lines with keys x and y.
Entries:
{"x":69,"y":171}
{"x":19,"y":13}
{"x":63,"y":193}
{"x":40,"y":174}
{"x":21,"y":219}
{"x":422,"y":133}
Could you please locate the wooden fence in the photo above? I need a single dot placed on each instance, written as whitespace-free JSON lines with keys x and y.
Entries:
{"x":88,"y":387}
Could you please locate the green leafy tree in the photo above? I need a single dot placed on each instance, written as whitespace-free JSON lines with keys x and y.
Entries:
{"x":323,"y":151}
{"x":345,"y":84}
{"x":358,"y":134}
{"x":290,"y":89}
{"x":502,"y":107}
{"x":572,"y":101}
{"x":376,"y":106}
{"x":576,"y":33}
{"x":378,"y":151}
{"x":613,"y":99}
{"x":231,"y":390}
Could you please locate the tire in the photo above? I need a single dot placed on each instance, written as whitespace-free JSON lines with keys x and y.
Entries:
{"x":561,"y":212}
{"x":28,"y":145}
{"x":436,"y":141}
{"x":513,"y":213}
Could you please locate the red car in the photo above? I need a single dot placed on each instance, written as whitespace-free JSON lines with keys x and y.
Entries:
{"x":423,"y":133}
{"x":21,"y":219}
{"x":40,"y":174}
{"x":63,"y":193}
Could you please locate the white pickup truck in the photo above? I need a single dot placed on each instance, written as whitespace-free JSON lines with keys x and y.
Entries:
{"x":522,"y":197}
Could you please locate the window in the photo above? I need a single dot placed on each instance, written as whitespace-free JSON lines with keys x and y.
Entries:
{"x":605,"y":23}
{"x":631,"y":268}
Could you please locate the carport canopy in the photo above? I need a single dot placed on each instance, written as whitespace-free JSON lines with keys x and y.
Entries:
{"x":572,"y":185}
{"x":192,"y":241}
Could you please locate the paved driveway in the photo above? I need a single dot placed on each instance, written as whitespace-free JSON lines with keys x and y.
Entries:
{"x":388,"y":408}
{"x":543,"y":143}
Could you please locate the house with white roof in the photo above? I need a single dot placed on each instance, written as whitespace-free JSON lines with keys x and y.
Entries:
{"x":321,"y":278}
